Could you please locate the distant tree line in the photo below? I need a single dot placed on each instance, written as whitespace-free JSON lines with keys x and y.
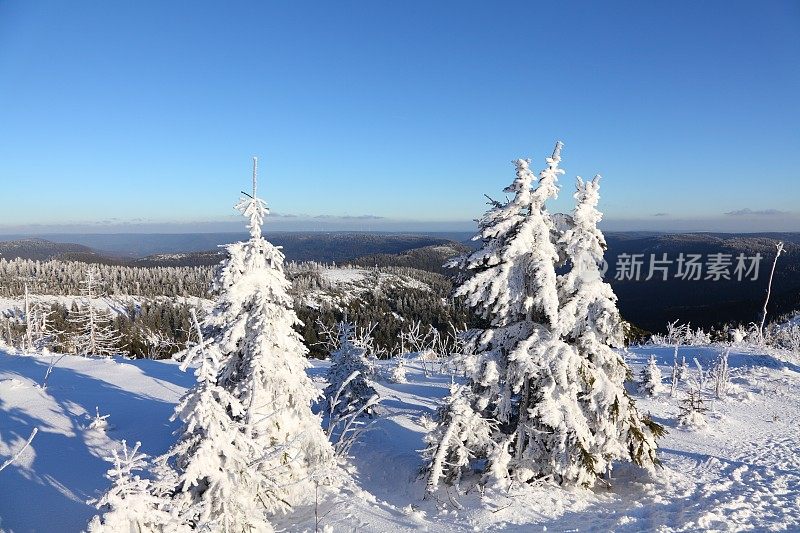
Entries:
{"x":153,"y":321}
{"x":65,"y":277}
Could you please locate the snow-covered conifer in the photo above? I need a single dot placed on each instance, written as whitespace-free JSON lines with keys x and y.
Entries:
{"x":545,"y":371}
{"x":650,"y":381}
{"x":129,"y":505}
{"x":352,"y":393}
{"x":96,"y":334}
{"x":590,"y":321}
{"x":522,"y":376}
{"x":263,"y":363}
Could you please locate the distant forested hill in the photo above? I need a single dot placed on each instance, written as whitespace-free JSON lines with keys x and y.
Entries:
{"x":323,"y":247}
{"x":650,"y":304}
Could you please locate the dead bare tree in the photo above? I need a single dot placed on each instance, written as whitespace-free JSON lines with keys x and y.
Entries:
{"x":779,"y":248}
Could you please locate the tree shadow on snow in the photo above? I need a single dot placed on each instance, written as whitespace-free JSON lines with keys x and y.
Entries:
{"x":69,"y":467}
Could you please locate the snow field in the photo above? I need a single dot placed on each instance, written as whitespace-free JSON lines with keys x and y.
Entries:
{"x":741,"y":472}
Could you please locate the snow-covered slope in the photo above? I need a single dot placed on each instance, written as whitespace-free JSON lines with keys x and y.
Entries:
{"x":343,"y":284}
{"x":741,"y":472}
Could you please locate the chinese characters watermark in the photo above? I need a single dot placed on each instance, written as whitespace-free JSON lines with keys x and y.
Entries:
{"x":690,"y":267}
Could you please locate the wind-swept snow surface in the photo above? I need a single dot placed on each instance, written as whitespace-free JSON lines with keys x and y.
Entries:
{"x":742,"y":471}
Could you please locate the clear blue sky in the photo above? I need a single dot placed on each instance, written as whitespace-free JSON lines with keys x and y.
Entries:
{"x":115,"y":114}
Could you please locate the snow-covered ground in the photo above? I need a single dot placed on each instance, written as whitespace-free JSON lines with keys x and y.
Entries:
{"x":741,"y":472}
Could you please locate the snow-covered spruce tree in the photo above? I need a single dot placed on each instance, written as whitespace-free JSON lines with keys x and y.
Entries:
{"x":590,"y":321}
{"x":96,"y":335}
{"x":129,"y":505}
{"x":523,"y":378}
{"x":263,"y":363}
{"x":209,"y":474}
{"x":650,"y":381}
{"x":351,"y":394}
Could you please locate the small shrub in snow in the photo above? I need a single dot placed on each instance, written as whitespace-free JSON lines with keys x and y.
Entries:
{"x":785,"y":336}
{"x":99,"y":422}
{"x":738,"y":335}
{"x":650,"y":381}
{"x":681,"y":335}
{"x":461,"y":435}
{"x":693,"y":410}
{"x":397,"y":374}
{"x":720,"y":373}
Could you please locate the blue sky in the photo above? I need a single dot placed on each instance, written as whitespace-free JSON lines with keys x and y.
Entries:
{"x":120,"y":116}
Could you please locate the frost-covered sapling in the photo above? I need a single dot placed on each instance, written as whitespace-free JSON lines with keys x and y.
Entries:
{"x":54,"y":360}
{"x":96,"y":334}
{"x":683,"y":369}
{"x":39,"y":334}
{"x":679,"y":372}
{"x":347,"y":376}
{"x":650,"y":381}
{"x":702,"y":376}
{"x":397,"y":373}
{"x":693,"y":410}
{"x":779,"y":250}
{"x":14,"y":457}
{"x":674,"y":374}
{"x":129,"y":506}
{"x":345,"y":420}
